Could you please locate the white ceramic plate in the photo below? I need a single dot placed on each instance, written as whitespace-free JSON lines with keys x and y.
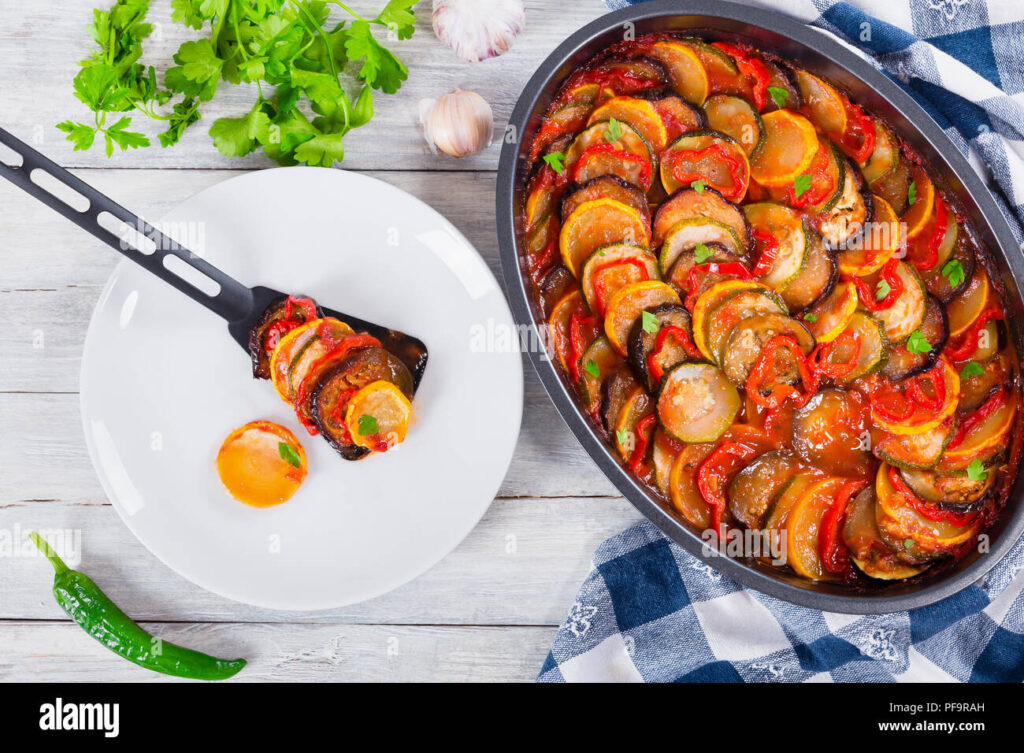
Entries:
{"x":163,"y":383}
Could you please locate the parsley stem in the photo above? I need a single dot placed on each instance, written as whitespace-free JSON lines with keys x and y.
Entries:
{"x":349,"y":10}
{"x":319,"y":30}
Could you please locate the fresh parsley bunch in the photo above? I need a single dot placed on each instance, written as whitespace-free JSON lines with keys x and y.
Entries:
{"x":299,"y":62}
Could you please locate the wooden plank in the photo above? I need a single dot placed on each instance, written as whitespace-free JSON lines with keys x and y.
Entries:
{"x":520,"y":566}
{"x":61,"y":652}
{"x":38,"y":93}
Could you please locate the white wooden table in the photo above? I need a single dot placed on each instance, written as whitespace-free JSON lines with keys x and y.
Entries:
{"x":488,"y":611}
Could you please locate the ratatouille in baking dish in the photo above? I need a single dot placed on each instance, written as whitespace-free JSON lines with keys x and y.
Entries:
{"x":767,"y":304}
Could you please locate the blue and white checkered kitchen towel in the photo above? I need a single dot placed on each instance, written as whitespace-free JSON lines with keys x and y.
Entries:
{"x":650,"y":611}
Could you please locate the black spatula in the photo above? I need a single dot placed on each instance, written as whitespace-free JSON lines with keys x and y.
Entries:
{"x":239,"y":305}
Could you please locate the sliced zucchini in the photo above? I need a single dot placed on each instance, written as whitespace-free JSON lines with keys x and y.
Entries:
{"x":612,"y":267}
{"x":868,"y":551}
{"x":828,"y":318}
{"x":816,"y":280}
{"x":721,"y":69}
{"x":916,"y":451}
{"x":638,"y":113}
{"x":753,"y":488}
{"x":922,"y":420}
{"x":918,"y":214}
{"x":664,"y":453}
{"x":803,"y":526}
{"x":283,"y":308}
{"x":697,"y":403}
{"x":907,"y":313}
{"x":642,"y":343}
{"x":598,"y":223}
{"x":542,"y":198}
{"x":983,"y":441}
{"x":829,"y":432}
{"x":822,"y":102}
{"x":685,"y":69}
{"x":736,"y":117}
{"x":871,"y":249}
{"x":637,"y":405}
{"x":746,"y":341}
{"x":950,"y":491}
{"x":791,"y":235}
{"x":736,"y":308}
{"x":836,"y":172}
{"x":886,"y":155}
{"x":608,"y":187}
{"x":709,"y":299}
{"x":599,"y":361}
{"x":874,"y":347}
{"x":686,"y":234}
{"x":966,"y":307}
{"x":626,"y":306}
{"x":629,"y":140}
{"x":617,"y":389}
{"x":709,"y":204}
{"x":935,"y":329}
{"x":789,"y":494}
{"x":898,"y":520}
{"x":683,"y":490}
{"x":720,"y":162}
{"x":789,"y":147}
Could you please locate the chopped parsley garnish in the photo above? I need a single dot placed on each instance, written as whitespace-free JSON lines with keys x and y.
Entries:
{"x":699,"y":185}
{"x":368,"y":425}
{"x":288,"y":455}
{"x":649,"y":322}
{"x":591,"y":368}
{"x":917,"y":343}
{"x":953,"y":271}
{"x":976,"y":471}
{"x":908,"y":543}
{"x":701,"y":253}
{"x":556,"y":161}
{"x":912,"y":193}
{"x":622,"y":435}
{"x":812,"y":318}
{"x":801,"y":184}
{"x":971,"y":368}
{"x":613,"y":131}
{"x":882,"y":290}
{"x":779,"y":96}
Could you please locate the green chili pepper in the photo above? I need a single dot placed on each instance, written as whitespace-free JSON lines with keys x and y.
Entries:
{"x":101,"y":618}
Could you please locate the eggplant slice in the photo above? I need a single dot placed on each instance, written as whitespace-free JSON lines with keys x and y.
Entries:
{"x":275,"y":312}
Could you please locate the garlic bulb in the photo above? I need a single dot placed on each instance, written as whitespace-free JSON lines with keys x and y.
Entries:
{"x":459,"y":123}
{"x":478,"y":29}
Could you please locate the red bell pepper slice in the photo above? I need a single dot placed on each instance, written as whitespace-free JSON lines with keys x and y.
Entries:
{"x":926,"y":509}
{"x":868,"y":297}
{"x":967,"y":343}
{"x":750,"y":66}
{"x":769,"y":252}
{"x":832,"y":549}
{"x":636,"y":459}
{"x":713,"y":475}
{"x":990,"y":406}
{"x":818,"y":361}
{"x":732,"y":268}
{"x":737,"y":170}
{"x":681,"y":336}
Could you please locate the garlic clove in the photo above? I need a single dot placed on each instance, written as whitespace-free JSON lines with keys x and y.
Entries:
{"x":478,"y":29}
{"x":459,"y":123}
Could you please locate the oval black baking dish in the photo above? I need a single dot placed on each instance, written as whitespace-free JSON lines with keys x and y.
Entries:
{"x":724,"y":21}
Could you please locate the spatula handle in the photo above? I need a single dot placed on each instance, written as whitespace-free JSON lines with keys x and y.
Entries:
{"x":227,"y":297}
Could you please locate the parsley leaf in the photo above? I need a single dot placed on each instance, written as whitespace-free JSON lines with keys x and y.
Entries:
{"x":592,"y":368}
{"x":801,"y":184}
{"x":298,"y":58}
{"x":976,"y":471}
{"x":368,"y":425}
{"x":779,"y":96}
{"x":556,"y":161}
{"x":882,"y":289}
{"x":613,"y":131}
{"x":953,"y":271}
{"x":699,"y":185}
{"x":812,"y":318}
{"x":649,"y":322}
{"x":971,"y":368}
{"x":912,"y":193}
{"x":701,"y":253}
{"x":622,"y":435}
{"x":917,"y":343}
{"x":289,"y":455}
{"x":908,"y":543}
